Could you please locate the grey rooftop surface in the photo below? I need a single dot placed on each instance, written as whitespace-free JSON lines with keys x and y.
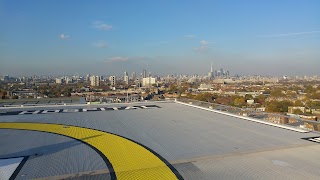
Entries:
{"x":199,"y":144}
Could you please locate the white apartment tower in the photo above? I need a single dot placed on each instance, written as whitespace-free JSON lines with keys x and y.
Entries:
{"x":95,"y":80}
{"x":112,"y":80}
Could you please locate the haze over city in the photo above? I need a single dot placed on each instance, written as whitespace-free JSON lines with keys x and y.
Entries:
{"x":166,"y":89}
{"x":165,"y":37}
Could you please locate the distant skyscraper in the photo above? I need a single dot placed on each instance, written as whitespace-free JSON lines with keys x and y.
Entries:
{"x":126,"y":77}
{"x":144,"y":74}
{"x":133,"y":76}
{"x":211,"y":73}
{"x":112,"y":80}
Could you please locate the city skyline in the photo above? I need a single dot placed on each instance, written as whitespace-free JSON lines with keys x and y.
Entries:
{"x":266,"y":38}
{"x":211,"y":72}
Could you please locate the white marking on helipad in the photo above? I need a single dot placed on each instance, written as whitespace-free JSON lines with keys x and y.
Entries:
{"x":314,"y":140}
{"x":47,"y":111}
{"x":8,"y":166}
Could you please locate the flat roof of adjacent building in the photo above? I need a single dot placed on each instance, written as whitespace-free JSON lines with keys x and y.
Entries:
{"x":151,"y":139}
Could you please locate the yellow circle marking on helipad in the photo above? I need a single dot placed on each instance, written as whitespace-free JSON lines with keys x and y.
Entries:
{"x":128,"y":159}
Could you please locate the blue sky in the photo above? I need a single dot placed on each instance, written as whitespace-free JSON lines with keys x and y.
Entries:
{"x":274,"y":37}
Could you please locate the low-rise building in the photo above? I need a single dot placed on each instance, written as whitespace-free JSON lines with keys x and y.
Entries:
{"x":205,"y":87}
{"x":292,"y":109}
{"x":148,"y":81}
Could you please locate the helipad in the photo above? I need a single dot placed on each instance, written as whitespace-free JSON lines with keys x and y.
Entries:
{"x":151,"y":141}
